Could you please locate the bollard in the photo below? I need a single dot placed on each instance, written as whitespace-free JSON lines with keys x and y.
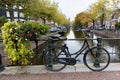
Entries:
{"x":1,"y":65}
{"x":50,"y":56}
{"x":97,"y":63}
{"x":99,"y":40}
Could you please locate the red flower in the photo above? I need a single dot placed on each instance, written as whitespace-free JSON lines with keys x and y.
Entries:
{"x":21,"y":35}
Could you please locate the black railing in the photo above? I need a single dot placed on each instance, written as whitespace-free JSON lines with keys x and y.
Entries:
{"x":112,"y":41}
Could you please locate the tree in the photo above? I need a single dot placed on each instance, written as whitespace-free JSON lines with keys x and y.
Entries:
{"x":60,"y":19}
{"x":43,"y":9}
{"x":30,"y":9}
{"x":102,"y":9}
{"x":116,"y":4}
{"x":84,"y":18}
{"x":77,"y":21}
{"x":99,"y":11}
{"x":92,"y":14}
{"x":33,"y":9}
{"x":50,"y":12}
{"x":81,"y":19}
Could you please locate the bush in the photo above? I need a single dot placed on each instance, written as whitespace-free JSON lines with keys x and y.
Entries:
{"x":2,"y":21}
{"x":16,"y":38}
{"x":117,"y":25}
{"x":44,"y":28}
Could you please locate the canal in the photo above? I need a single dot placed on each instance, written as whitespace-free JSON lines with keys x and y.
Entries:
{"x":112,"y":46}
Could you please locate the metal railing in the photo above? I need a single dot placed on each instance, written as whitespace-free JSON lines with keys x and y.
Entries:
{"x":112,"y":45}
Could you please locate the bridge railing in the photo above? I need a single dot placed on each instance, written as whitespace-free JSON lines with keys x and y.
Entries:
{"x":112,"y":45}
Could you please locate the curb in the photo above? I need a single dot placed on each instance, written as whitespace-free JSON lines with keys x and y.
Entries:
{"x":40,"y":69}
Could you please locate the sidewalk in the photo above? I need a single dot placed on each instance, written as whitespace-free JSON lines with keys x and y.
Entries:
{"x":114,"y":75}
{"x":77,"y":72}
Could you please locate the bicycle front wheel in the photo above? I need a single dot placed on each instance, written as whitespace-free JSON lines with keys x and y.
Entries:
{"x":50,"y":59}
{"x":96,"y":59}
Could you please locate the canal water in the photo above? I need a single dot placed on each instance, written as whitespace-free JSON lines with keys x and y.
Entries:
{"x":74,"y":45}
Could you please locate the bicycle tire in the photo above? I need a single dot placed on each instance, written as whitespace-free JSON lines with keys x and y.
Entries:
{"x":54,"y":65}
{"x":96,"y":59}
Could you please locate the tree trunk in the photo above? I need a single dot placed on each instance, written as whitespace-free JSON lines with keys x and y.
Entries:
{"x":10,"y":9}
{"x":93,"y":24}
{"x":102,"y":19}
{"x":44,"y":20}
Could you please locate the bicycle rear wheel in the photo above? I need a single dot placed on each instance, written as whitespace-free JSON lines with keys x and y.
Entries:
{"x":96,"y":59}
{"x":50,"y":59}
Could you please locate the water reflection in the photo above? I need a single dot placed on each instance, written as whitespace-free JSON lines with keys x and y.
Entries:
{"x":74,"y":45}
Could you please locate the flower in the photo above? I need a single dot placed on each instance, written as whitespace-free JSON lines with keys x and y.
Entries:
{"x":21,"y":35}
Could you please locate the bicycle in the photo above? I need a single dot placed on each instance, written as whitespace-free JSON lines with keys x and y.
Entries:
{"x":57,"y":57}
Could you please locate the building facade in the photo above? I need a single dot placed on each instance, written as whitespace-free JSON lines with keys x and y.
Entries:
{"x":113,"y":19}
{"x":18,"y":16}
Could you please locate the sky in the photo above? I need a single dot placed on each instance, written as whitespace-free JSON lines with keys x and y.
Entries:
{"x":72,"y":7}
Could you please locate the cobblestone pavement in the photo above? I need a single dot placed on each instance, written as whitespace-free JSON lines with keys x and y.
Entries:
{"x":103,"y":75}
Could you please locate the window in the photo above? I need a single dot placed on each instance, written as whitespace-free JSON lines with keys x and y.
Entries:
{"x":21,"y":15}
{"x":7,"y":14}
{"x":15,"y":14}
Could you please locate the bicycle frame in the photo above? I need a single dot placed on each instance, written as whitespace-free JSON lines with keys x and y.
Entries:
{"x":85,"y":46}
